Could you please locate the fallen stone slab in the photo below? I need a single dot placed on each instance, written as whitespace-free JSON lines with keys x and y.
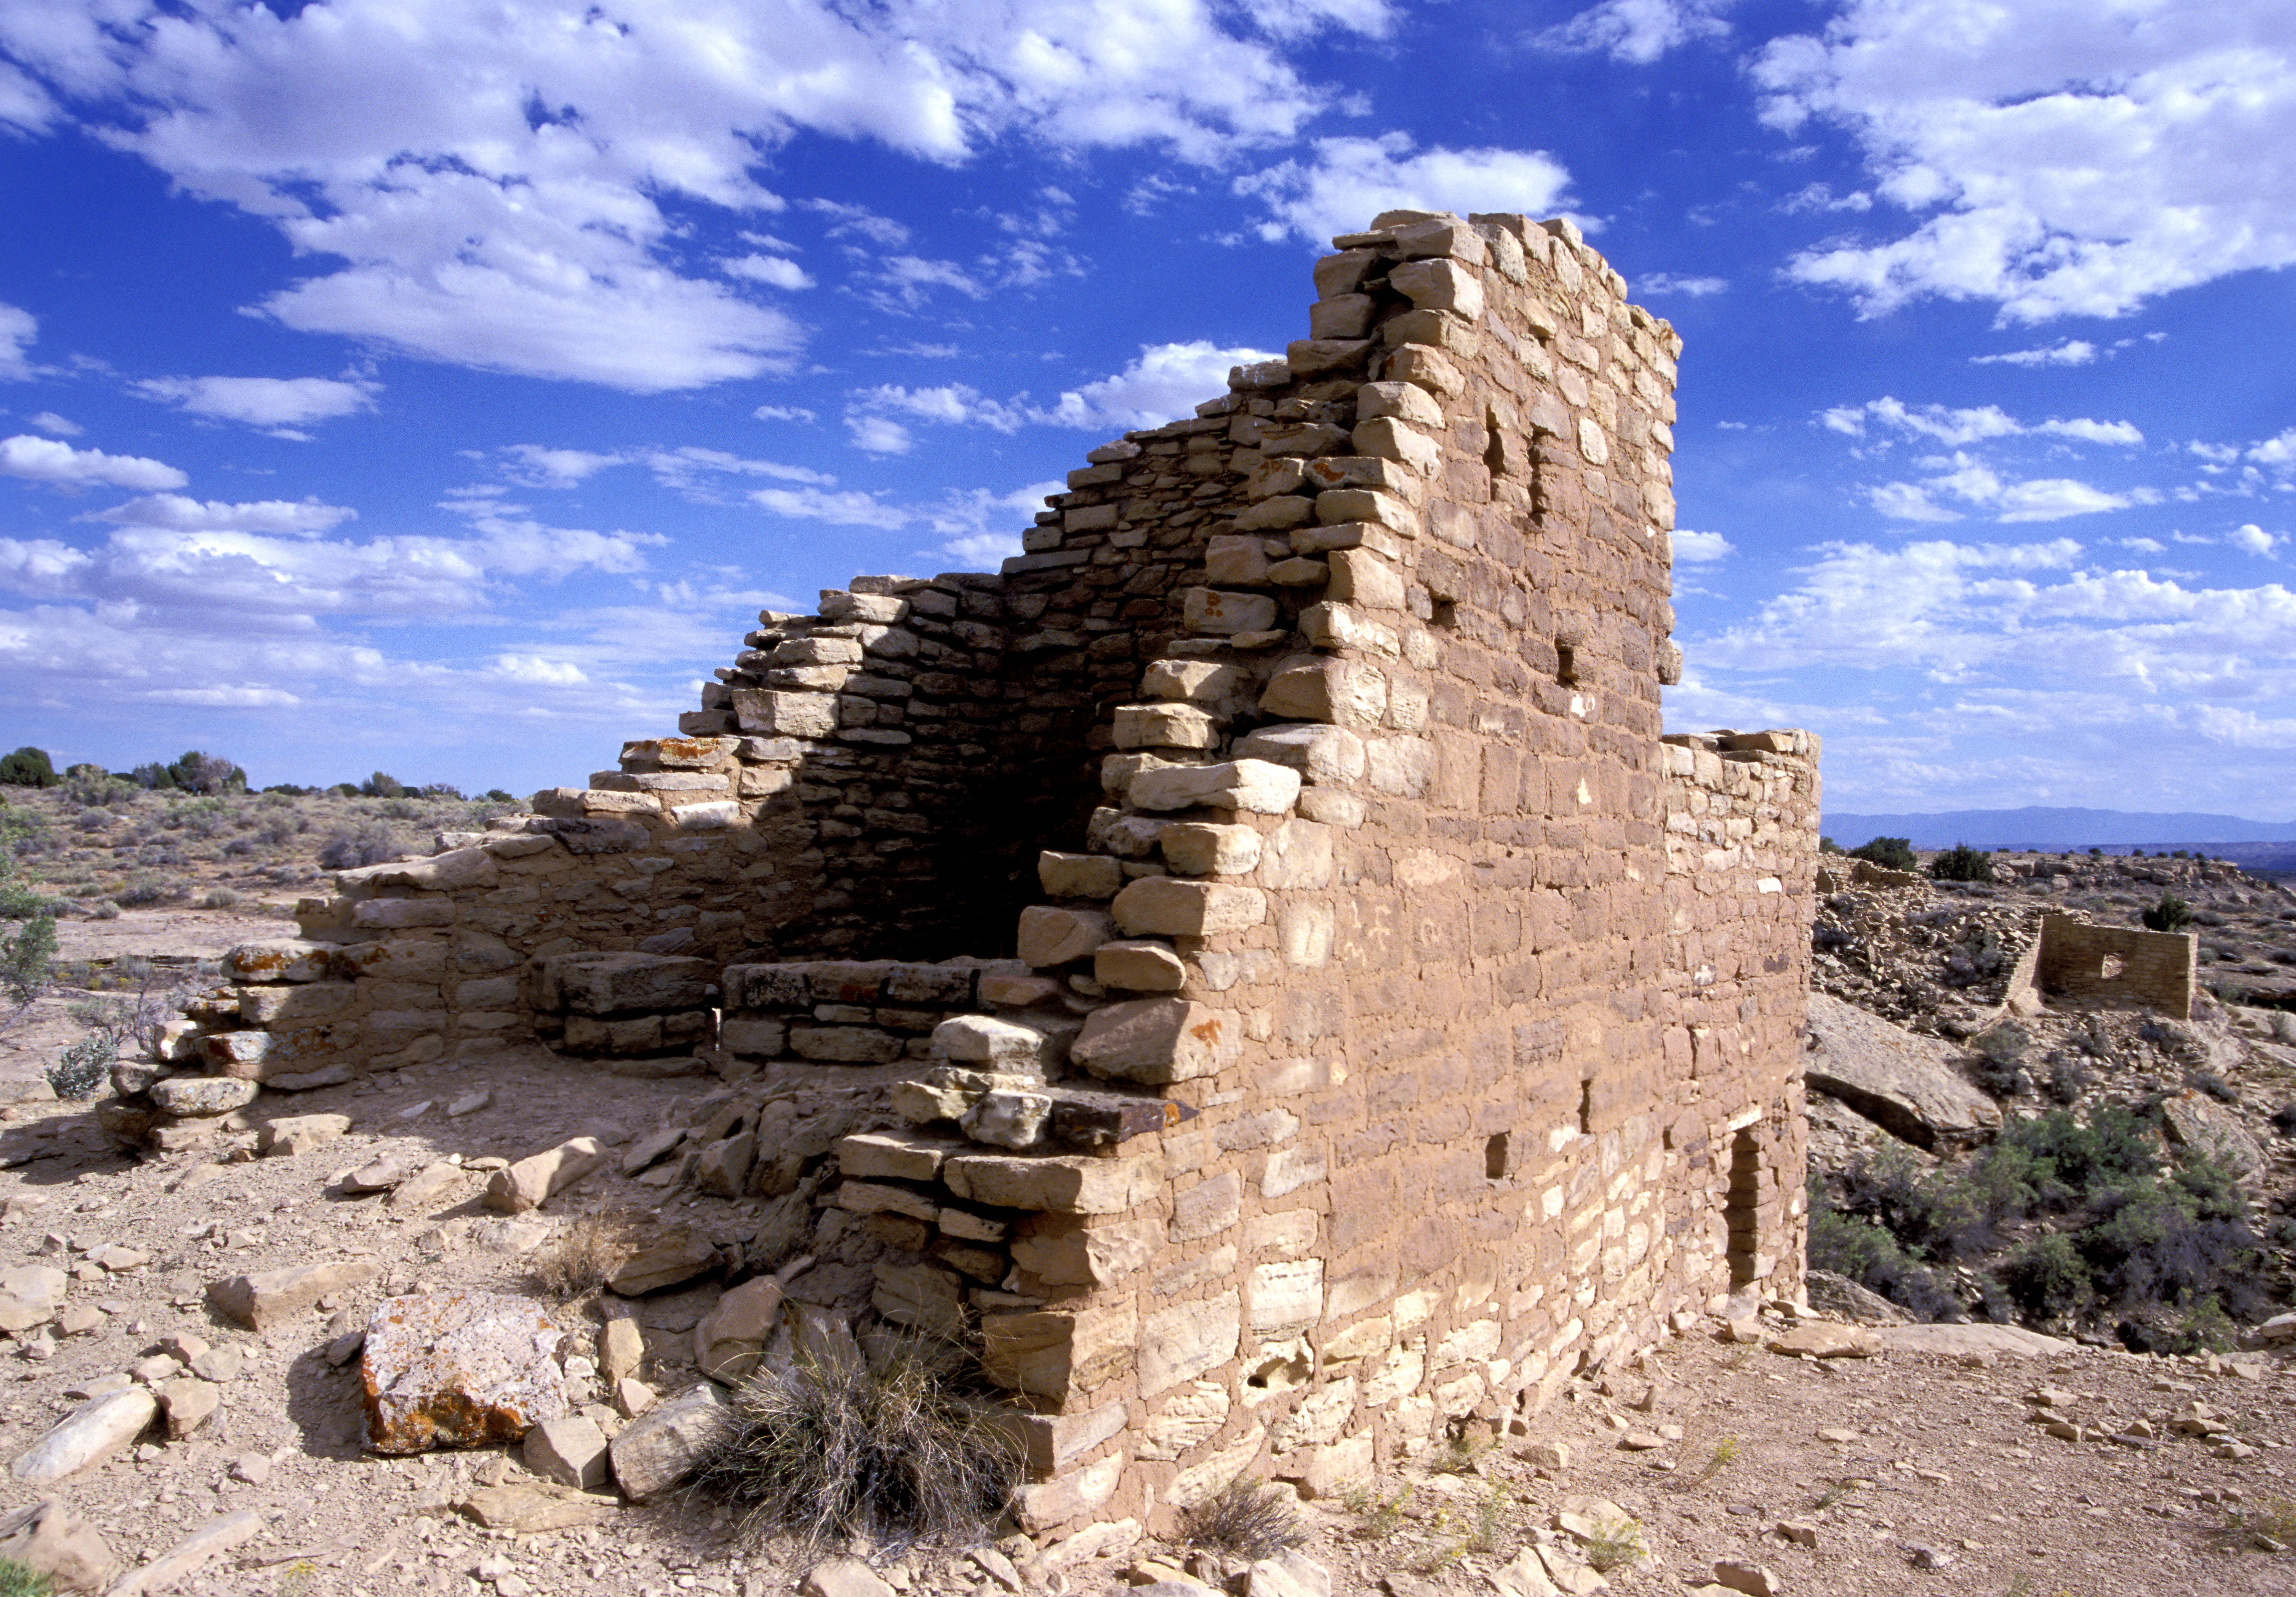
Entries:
{"x":663,"y":1258}
{"x":426,"y":1186}
{"x":47,"y":1538}
{"x":524,"y":1509}
{"x":267,"y":1298}
{"x":1905,"y":1083}
{"x":669,"y":1442}
{"x":291,"y":1135}
{"x":190,"y":1402}
{"x":531,"y":1182}
{"x":1955,"y":1340}
{"x":30,"y":1295}
{"x":843,"y":1578}
{"x":187,"y":1557}
{"x":1818,"y":1339}
{"x":458,"y":1369}
{"x":90,"y":1434}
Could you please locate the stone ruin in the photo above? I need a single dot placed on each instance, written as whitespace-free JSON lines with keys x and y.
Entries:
{"x":1253,"y":968}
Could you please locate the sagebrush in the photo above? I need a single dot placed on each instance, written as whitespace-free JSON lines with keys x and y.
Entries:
{"x":1245,"y":1518}
{"x":897,"y":1451}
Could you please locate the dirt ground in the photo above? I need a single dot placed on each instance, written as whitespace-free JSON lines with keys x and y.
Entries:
{"x":1946,"y":1457}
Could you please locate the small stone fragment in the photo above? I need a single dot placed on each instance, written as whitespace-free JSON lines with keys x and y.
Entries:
{"x":190,"y":1402}
{"x":90,"y":1434}
{"x":670,"y":1442}
{"x":568,"y":1450}
{"x":1753,"y":1579}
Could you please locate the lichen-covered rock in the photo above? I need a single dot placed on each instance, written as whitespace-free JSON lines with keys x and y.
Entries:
{"x":459,"y":1370}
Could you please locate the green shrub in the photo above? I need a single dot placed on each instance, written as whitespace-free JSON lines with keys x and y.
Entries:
{"x":382,"y":785}
{"x":2171,"y":914}
{"x":1895,"y":853}
{"x":2046,"y":1277}
{"x":82,"y":1069}
{"x":27,"y":767}
{"x":206,"y":775}
{"x":21,"y":1580}
{"x":497,"y":795}
{"x":1961,"y":863}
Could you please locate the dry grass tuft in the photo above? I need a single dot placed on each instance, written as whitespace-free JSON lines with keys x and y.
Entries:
{"x":579,"y":1260}
{"x":898,"y":1455}
{"x":1616,"y":1543}
{"x":1244,"y":1519}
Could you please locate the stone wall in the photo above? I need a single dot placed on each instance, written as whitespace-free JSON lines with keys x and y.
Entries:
{"x":2117,"y":967}
{"x":1285,"y":1000}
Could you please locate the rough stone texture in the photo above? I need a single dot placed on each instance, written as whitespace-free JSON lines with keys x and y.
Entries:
{"x":1466,"y":1047}
{"x":47,"y":1538}
{"x":2117,"y":966}
{"x":30,"y":1295}
{"x":458,"y":1369}
{"x":1902,"y":1082}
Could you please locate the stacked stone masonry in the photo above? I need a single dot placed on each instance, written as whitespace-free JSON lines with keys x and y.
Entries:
{"x":1284,"y":998}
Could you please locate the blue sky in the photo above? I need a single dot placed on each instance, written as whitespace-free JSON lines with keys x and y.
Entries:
{"x":442,"y":387}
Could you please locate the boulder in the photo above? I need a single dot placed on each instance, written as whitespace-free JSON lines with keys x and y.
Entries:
{"x":1955,"y":1340}
{"x":1845,"y":1299}
{"x":1904,"y":1082}
{"x":2201,"y":1125}
{"x":1819,"y":1339}
{"x":458,"y":1369}
{"x":291,"y":1135}
{"x":669,"y":1442}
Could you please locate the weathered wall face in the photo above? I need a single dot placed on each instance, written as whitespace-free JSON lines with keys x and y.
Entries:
{"x":2116,"y":966}
{"x":1400,"y":1022}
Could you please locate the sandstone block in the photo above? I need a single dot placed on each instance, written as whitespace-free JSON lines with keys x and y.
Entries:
{"x":731,"y":1340}
{"x":1328,"y":756}
{"x":533,"y":1181}
{"x":1007,"y":1118}
{"x":621,"y":1350}
{"x":1000,"y":1045}
{"x":1426,"y":368}
{"x":790,"y":714}
{"x":1255,"y":785}
{"x":1174,"y":906}
{"x":1345,"y":691}
{"x":1156,"y":1041}
{"x":1218,"y":612}
{"x":1362,"y":579}
{"x":1189,"y":1339}
{"x":887,"y":1155}
{"x":202,"y":1096}
{"x":189,"y":1402}
{"x":1056,"y":1353}
{"x":1138,"y":967}
{"x":274,"y":1297}
{"x":667,"y":1443}
{"x":1341,"y":316}
{"x":390,"y":915}
{"x":1069,"y":1184}
{"x":1050,"y":935}
{"x":1403,"y":401}
{"x":1439,"y":286}
{"x":1278,"y":513}
{"x":845,"y":1044}
{"x":458,"y":1369}
{"x":1242,"y":563}
{"x":1079,"y":875}
{"x":1340,"y":504}
{"x":312,"y":1001}
{"x":625,"y":983}
{"x":1202,"y":849}
{"x":923,"y":1296}
{"x":1386,"y":439}
{"x":292,"y":959}
{"x":1164,"y":726}
{"x":569,"y":1451}
{"x":1077,"y":1495}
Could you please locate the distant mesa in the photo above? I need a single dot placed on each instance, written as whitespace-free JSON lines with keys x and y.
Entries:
{"x":2257,"y":845}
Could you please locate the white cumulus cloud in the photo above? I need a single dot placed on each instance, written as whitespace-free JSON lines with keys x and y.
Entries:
{"x":278,"y":403}
{"x":278,"y":517}
{"x":499,"y":186}
{"x":1166,"y":383}
{"x":1349,"y":181}
{"x":2072,"y":352}
{"x":1697,"y":548}
{"x":2053,"y":157}
{"x":59,"y":465}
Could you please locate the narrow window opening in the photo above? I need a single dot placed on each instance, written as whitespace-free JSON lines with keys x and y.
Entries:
{"x":1494,"y":1158}
{"x":1495,"y":450}
{"x":1586,"y":1109}
{"x":1447,"y":614}
{"x":1742,"y":1209}
{"x":2110,"y":970}
{"x":1566,"y":663}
